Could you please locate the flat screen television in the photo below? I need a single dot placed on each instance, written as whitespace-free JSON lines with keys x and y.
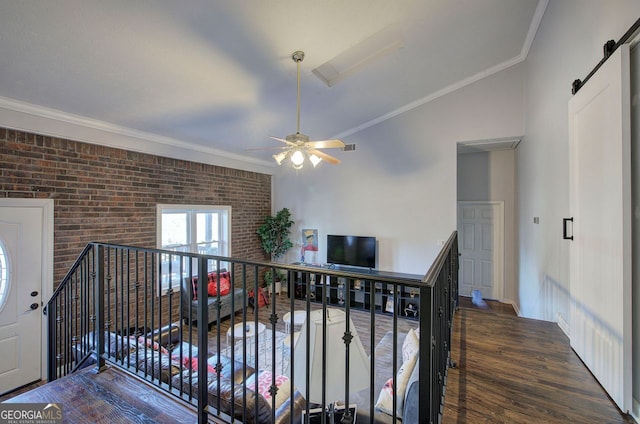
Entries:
{"x":351,"y":250}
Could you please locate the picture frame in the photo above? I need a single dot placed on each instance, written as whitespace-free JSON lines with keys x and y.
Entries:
{"x":309,"y":250}
{"x":389,"y":306}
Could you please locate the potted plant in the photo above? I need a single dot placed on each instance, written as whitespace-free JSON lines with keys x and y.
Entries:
{"x":268,"y":279}
{"x":274,"y":237}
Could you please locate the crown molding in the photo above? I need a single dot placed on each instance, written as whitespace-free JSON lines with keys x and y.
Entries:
{"x":42,"y":120}
{"x":24,"y":116}
{"x":533,"y":29}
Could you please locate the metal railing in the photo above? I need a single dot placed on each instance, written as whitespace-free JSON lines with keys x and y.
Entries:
{"x":149,"y":304}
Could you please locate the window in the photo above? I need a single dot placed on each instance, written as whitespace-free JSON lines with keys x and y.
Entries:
{"x":4,"y":276}
{"x":189,"y":228}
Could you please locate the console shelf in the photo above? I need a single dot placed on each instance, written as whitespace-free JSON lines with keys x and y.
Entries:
{"x":358,"y":292}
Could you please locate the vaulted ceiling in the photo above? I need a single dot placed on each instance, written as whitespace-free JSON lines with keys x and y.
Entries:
{"x":219,"y":73}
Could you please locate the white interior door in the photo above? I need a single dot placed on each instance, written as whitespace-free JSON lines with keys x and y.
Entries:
{"x":21,"y":284}
{"x":480,"y":233}
{"x":600,"y":201}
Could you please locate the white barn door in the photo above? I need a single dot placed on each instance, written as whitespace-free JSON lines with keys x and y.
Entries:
{"x":600,"y":202}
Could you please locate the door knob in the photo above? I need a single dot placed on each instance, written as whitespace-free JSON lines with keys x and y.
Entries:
{"x":34,"y":306}
{"x":34,"y":293}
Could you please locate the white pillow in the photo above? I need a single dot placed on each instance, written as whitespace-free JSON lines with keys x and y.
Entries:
{"x":410,"y":346}
{"x":385,"y":399}
{"x":264,"y":384}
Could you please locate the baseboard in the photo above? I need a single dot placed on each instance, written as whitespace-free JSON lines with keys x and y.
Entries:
{"x":635,"y":413}
{"x":563,"y":324}
{"x":516,"y":309}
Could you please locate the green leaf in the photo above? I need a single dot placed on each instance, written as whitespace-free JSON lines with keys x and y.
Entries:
{"x":274,"y":233}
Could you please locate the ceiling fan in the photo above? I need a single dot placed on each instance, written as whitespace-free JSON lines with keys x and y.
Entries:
{"x":298,"y":146}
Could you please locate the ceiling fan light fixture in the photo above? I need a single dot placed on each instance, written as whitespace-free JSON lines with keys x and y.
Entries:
{"x":298,"y":146}
{"x":297,"y":159}
{"x":280,"y":157}
{"x":315,"y":160}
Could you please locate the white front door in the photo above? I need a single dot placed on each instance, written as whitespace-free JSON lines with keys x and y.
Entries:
{"x":600,"y":202}
{"x":480,"y":233}
{"x":21,"y":283}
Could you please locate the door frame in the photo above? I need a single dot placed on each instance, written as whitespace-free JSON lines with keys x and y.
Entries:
{"x":498,"y":242}
{"x":47,"y":206}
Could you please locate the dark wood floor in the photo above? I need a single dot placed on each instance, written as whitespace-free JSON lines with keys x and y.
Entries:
{"x":509,"y":370}
{"x":488,"y":306}
{"x":112,"y":396}
{"x":516,"y":370}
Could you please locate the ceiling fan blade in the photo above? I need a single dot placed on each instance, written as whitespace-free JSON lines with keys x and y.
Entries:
{"x":267,"y":148}
{"x":324,"y":156}
{"x":326,"y":144}
{"x":284,"y":141}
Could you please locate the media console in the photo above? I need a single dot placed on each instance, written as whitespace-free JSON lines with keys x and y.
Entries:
{"x":359,"y":296}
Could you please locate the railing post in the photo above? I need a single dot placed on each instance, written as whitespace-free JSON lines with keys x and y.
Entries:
{"x":203,"y":323}
{"x":51,"y":312}
{"x":98,"y":309}
{"x":348,"y":336}
{"x":426,"y":352}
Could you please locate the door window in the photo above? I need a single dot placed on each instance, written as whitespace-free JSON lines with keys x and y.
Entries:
{"x":4,"y":276}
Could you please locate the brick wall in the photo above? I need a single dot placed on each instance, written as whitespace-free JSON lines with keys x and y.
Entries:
{"x":110,"y":195}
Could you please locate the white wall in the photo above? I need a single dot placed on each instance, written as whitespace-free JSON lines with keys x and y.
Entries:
{"x":568,"y":45}
{"x":491,"y":176}
{"x":400,"y":183}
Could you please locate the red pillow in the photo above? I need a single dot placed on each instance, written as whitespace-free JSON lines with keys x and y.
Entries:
{"x":224,"y":286}
{"x":211,"y":278}
{"x":194,"y":284}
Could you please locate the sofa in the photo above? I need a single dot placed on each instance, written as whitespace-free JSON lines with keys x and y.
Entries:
{"x":236,"y":388}
{"x":218,"y":307}
{"x":405,"y":381}
{"x":120,"y":345}
{"x":247,"y":389}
